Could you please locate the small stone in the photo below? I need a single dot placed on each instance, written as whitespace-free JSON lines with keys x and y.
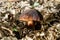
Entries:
{"x":28,"y":38}
{"x":38,"y":34}
{"x":42,"y":34}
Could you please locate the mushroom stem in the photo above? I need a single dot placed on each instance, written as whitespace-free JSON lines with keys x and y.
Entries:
{"x":30,"y":23}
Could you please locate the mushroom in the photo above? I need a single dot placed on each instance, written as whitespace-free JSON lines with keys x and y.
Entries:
{"x":30,"y":17}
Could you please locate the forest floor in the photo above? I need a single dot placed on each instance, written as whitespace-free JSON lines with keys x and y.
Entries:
{"x":10,"y":11}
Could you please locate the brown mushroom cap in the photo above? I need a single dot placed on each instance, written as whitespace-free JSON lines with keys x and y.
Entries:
{"x":29,"y":15}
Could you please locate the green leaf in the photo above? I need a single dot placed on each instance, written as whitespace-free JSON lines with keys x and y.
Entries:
{"x":14,"y":29}
{"x":36,"y":4}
